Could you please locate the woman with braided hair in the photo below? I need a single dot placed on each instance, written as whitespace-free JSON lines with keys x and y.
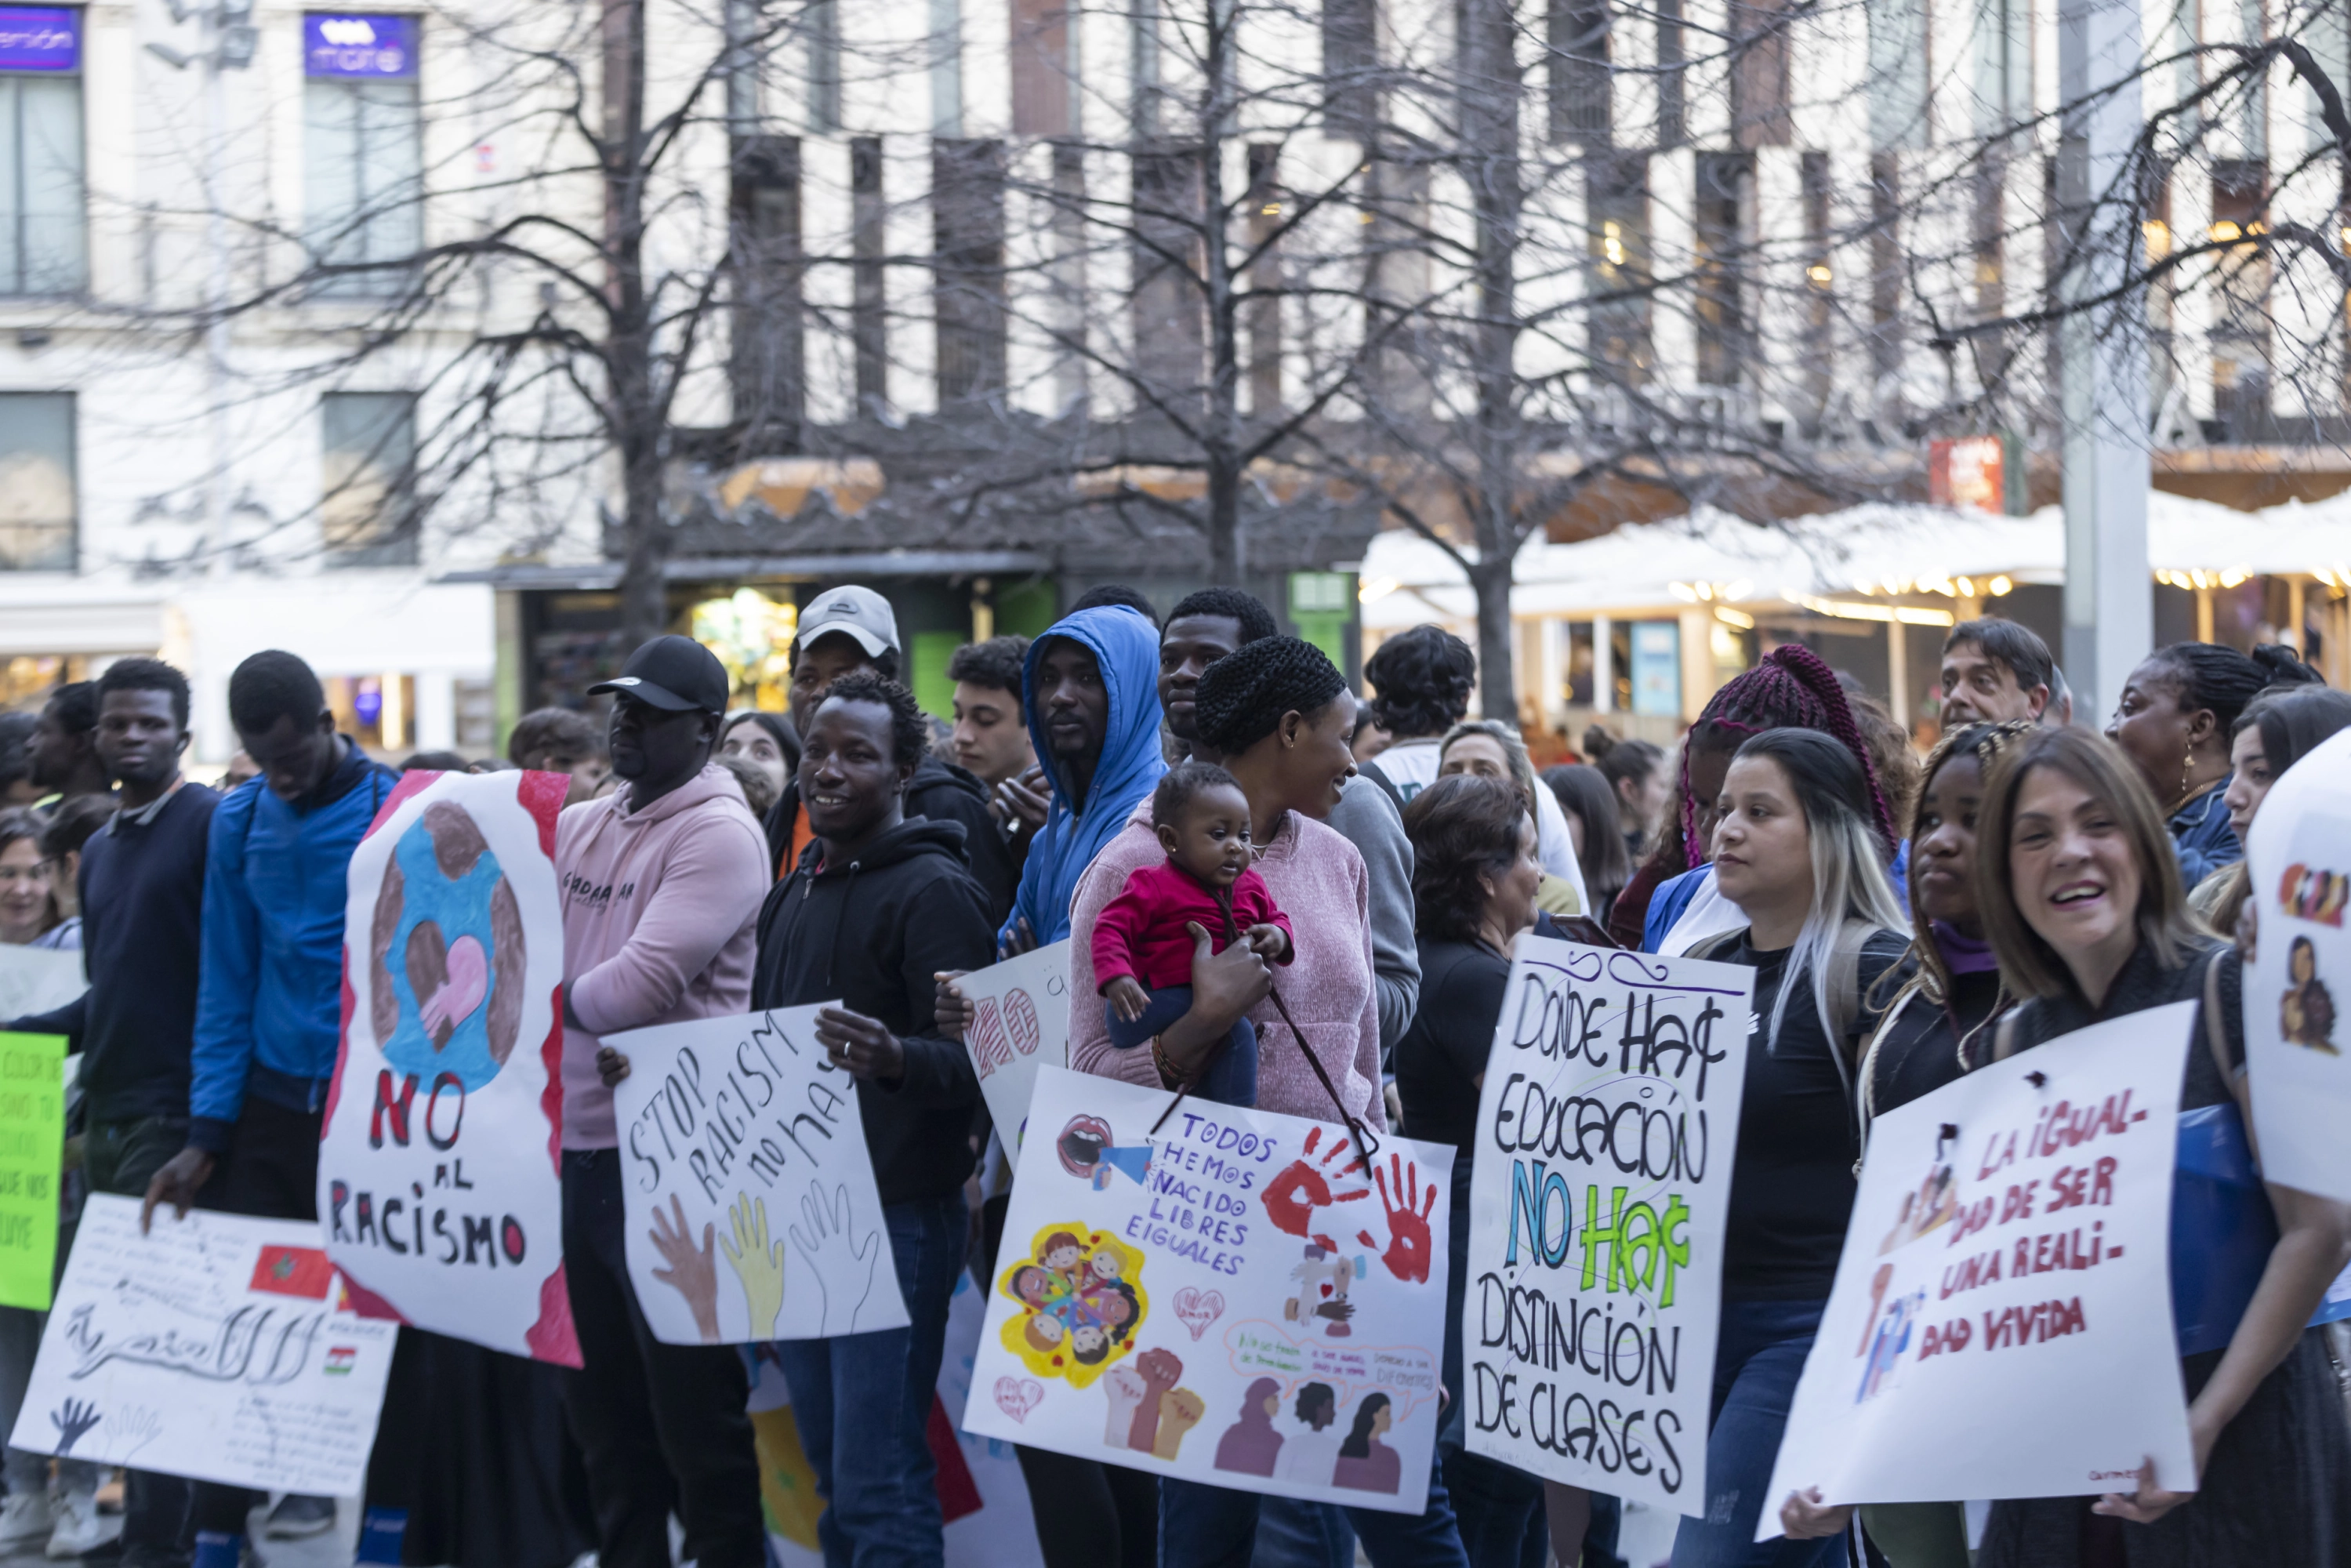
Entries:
{"x":1672,"y":898}
{"x":2174,"y":720}
{"x":1275,"y":714}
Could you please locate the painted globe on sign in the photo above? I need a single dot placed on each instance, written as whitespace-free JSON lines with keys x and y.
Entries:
{"x":447,"y":953}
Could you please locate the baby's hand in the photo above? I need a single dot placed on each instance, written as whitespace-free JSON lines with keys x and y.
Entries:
{"x":1127,"y":995}
{"x":1268,"y":942}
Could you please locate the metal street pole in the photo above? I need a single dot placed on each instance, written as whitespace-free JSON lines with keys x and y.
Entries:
{"x":2110,"y":600}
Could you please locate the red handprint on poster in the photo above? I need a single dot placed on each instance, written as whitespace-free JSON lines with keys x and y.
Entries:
{"x":1305,"y":1186}
{"x":1407,"y":1253}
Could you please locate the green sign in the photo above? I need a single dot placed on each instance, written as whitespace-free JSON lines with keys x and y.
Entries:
{"x":1321,"y":605}
{"x":32,"y":1150}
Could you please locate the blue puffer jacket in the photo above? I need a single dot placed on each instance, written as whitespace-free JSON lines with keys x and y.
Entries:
{"x":270,"y":992}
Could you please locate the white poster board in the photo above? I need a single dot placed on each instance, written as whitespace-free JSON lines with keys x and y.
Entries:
{"x":1238,"y":1272}
{"x":1606,"y":1134}
{"x":36,"y":980}
{"x":2297,"y":1041}
{"x":2001,"y":1325}
{"x":216,"y":1347}
{"x":1020,"y":1022}
{"x":752,"y":1212}
{"x":440,"y":1176}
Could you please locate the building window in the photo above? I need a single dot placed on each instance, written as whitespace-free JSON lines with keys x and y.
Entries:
{"x":1042,"y":69}
{"x":967,"y":218}
{"x":1759,"y":74}
{"x":1899,"y":71}
{"x":362,"y":148}
{"x":1581,"y":109}
{"x":1726,"y":202}
{"x":770,"y":336}
{"x":43,"y":244}
{"x":1351,"y":66}
{"x":2240,"y":320}
{"x":1618,"y":204}
{"x":367,"y":515}
{"x":824,"y":23}
{"x":36,"y":482}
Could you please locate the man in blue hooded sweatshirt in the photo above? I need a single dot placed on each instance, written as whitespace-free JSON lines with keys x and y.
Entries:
{"x":269,"y":993}
{"x":1093,"y":716}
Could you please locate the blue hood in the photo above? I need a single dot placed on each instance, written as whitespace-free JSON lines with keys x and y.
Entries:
{"x":1127,"y":648}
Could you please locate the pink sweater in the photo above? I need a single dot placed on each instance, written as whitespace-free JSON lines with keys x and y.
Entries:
{"x":1318,"y":880}
{"x":661,"y":911}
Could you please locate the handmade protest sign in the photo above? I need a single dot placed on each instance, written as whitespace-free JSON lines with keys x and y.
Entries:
{"x":216,"y":1346}
{"x":2001,"y":1322}
{"x":2298,"y":1046}
{"x":36,"y":979}
{"x":1020,"y":1022}
{"x":1239,"y":1272}
{"x":439,"y":1172}
{"x":741,"y":1145}
{"x":32,"y":1148}
{"x":1606,"y":1135}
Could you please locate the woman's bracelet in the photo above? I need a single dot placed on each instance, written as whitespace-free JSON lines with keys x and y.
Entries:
{"x":1167,"y":1073}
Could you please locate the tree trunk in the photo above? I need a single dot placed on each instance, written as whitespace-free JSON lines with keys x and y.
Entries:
{"x":1497,"y":687}
{"x":634,"y":408}
{"x":1221,"y":424}
{"x":1490,"y":97}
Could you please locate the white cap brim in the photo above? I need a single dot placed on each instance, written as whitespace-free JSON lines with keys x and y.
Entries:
{"x":873,"y":645}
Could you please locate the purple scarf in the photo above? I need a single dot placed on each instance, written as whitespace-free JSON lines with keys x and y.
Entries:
{"x":1962,"y":954}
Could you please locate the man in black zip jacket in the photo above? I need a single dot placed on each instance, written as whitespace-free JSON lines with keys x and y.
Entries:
{"x":853,"y":628}
{"x":876,"y":906}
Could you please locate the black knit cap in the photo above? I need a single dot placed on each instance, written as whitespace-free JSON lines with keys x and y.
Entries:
{"x":1242,"y":697}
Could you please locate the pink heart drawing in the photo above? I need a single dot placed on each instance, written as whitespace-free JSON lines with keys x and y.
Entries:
{"x":1198,"y":1308}
{"x":1016,"y":1397}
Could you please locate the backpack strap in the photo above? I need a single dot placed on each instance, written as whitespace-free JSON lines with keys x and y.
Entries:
{"x":2216,"y":1039}
{"x":1373,"y":771}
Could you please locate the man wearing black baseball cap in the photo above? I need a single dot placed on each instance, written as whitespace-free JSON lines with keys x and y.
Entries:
{"x":661,"y":883}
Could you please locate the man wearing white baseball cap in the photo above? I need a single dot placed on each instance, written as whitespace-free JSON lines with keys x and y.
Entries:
{"x":853,"y":628}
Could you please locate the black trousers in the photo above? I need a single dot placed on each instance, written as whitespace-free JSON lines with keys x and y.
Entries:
{"x":270,"y":1172}
{"x":663,"y":1427}
{"x":122,"y":1157}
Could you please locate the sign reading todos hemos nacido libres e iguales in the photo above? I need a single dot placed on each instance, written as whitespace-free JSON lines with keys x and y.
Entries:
{"x":1606,"y":1130}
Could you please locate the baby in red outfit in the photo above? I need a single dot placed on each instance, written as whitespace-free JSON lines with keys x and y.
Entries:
{"x":1143,"y":950}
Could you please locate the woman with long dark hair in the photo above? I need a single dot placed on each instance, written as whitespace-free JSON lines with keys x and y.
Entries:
{"x":2081,"y":899}
{"x":1798,"y":851}
{"x":1590,"y":805}
{"x":1637,"y":775}
{"x":1671,"y":901}
{"x":1474,"y":876}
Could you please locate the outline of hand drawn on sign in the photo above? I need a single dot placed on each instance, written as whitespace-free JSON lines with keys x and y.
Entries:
{"x":452,"y":1001}
{"x":825,"y":1244}
{"x":758,"y":1262}
{"x":693,"y":1270}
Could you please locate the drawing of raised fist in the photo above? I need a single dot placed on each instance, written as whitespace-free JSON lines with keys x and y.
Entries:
{"x":1179,"y":1411}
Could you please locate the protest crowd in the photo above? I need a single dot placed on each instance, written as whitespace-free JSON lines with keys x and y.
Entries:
{"x":1275,"y":895}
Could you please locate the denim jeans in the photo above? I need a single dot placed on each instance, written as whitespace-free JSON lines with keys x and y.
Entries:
{"x":661,"y":1427}
{"x":1213,"y":1527}
{"x":862,"y":1404}
{"x":1757,"y":1361}
{"x":1231,"y":1077}
{"x":1500,"y":1508}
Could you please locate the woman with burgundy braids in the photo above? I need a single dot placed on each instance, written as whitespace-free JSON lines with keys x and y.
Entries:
{"x":1671,"y":902}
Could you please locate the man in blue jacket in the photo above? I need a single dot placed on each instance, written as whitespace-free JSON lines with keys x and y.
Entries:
{"x":270,"y":992}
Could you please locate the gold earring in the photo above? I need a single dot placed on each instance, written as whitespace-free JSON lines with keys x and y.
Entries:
{"x":2187,"y":766}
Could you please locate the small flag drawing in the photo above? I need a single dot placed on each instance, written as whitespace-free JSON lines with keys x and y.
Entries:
{"x":340,"y":1358}
{"x":302,"y":1271}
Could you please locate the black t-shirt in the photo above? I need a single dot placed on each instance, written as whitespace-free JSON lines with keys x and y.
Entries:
{"x":1437,"y":1059}
{"x":1792,"y":1189}
{"x":1919,"y":1051}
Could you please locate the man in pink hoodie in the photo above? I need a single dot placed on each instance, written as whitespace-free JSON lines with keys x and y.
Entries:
{"x":662,"y":883}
